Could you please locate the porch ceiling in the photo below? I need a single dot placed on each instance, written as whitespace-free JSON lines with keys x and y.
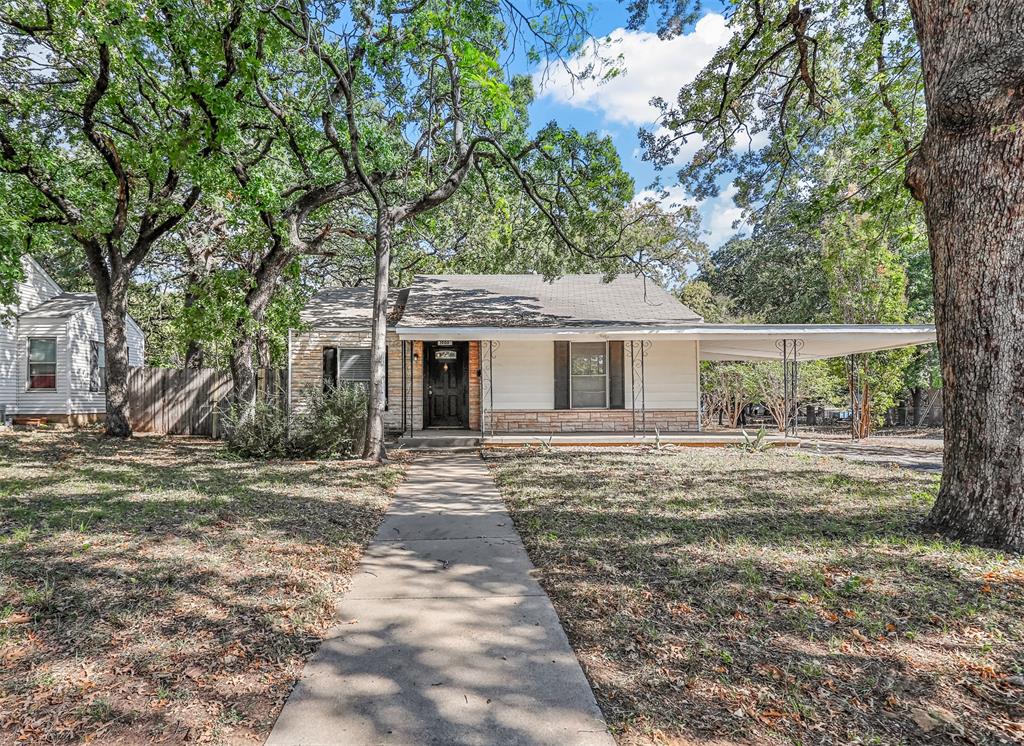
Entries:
{"x":717,"y":341}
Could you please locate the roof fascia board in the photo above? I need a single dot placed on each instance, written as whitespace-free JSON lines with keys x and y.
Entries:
{"x":688,"y":331}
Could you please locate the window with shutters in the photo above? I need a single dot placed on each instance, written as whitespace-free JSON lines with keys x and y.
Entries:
{"x":354,"y":365}
{"x":42,"y":363}
{"x":97,"y":366}
{"x":350,"y":365}
{"x":588,"y":375}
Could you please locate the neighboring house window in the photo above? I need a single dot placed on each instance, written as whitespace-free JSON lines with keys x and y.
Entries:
{"x":42,"y":363}
{"x":97,"y":366}
{"x":588,"y":374}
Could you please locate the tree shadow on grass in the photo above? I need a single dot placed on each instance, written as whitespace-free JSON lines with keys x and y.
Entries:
{"x":151,"y":591}
{"x":768,"y":598}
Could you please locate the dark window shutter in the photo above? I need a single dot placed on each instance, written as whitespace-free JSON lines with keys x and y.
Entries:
{"x":616,"y":376}
{"x":330,"y":367}
{"x":561,"y":375}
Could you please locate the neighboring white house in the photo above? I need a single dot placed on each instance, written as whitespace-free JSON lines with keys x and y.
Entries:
{"x":51,"y":352}
{"x":518,"y":354}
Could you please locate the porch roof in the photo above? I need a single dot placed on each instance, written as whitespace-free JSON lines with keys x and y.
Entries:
{"x":61,"y":306}
{"x":717,"y":341}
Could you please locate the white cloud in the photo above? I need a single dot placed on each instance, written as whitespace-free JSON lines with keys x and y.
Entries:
{"x":653,"y":67}
{"x":719,"y":215}
{"x":671,"y":198}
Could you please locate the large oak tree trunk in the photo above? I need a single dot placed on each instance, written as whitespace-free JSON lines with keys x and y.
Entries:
{"x":243,"y":376}
{"x":374,"y":446}
{"x":969,"y":174}
{"x":111,"y":285}
{"x":257,"y":300}
{"x":115,"y":342}
{"x":243,"y":348}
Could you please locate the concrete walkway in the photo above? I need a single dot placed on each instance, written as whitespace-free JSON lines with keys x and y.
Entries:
{"x":919,"y":457}
{"x":444,"y":636}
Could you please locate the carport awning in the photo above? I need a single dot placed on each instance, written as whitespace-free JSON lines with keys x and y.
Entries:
{"x":717,"y":341}
{"x":819,"y":341}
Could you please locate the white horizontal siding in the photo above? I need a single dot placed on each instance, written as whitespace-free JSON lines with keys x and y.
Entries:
{"x":8,"y":357}
{"x":74,"y":336}
{"x":524,"y":375}
{"x":74,"y":350}
{"x":42,"y":401}
{"x":83,"y":329}
{"x":670,"y":375}
{"x":36,"y":288}
{"x":136,"y":340}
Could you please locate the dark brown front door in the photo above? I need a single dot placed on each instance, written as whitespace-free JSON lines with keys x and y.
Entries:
{"x":447,"y":389}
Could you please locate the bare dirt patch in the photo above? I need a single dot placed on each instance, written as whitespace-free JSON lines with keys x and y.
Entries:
{"x":155,"y":591}
{"x":716,"y":596}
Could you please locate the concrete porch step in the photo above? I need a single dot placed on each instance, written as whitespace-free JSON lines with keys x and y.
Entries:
{"x":447,"y":441}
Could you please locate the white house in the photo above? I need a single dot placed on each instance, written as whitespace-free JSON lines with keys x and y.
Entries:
{"x":51,"y":352}
{"x":519,"y":354}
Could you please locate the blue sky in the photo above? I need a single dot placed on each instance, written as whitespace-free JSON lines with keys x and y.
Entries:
{"x":619,"y":108}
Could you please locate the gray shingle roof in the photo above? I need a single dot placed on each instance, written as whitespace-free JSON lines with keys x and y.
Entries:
{"x":505,"y":301}
{"x":347,"y":308}
{"x":531,"y":301}
{"x":61,"y":306}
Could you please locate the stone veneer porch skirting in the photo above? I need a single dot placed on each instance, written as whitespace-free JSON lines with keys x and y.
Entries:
{"x":591,"y":420}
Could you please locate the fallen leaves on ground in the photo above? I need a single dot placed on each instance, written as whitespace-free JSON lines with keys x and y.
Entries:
{"x":156,"y":591}
{"x":714,"y":596}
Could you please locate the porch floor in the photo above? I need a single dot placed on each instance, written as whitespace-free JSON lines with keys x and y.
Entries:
{"x":696,"y":439}
{"x":447,"y":439}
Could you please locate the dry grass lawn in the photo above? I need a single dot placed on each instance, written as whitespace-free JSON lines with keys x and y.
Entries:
{"x":155,"y":591}
{"x":717,"y":596}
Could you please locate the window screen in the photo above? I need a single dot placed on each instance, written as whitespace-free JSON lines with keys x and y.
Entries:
{"x":351,"y":364}
{"x":330,"y":367}
{"x":354,"y":365}
{"x":588,"y":369}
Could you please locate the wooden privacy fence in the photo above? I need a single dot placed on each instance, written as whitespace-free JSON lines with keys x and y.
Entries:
{"x":179,"y":402}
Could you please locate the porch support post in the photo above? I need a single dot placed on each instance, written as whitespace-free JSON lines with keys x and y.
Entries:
{"x":487,"y":383}
{"x":637,"y":378}
{"x":632,"y":383}
{"x":794,"y":388}
{"x":403,"y":388}
{"x":407,"y":387}
{"x":790,"y":349}
{"x":856,"y":401}
{"x":700,"y":395}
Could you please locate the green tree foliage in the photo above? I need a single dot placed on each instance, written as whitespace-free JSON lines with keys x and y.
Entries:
{"x":868,"y":285}
{"x":114,"y":116}
{"x":814,"y":110}
{"x":412,"y":101}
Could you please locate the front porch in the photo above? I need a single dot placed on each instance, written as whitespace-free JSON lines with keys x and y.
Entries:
{"x":535,"y":385}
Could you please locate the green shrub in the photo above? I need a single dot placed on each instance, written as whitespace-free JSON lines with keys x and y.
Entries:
{"x":265,"y":434}
{"x":332,"y":425}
